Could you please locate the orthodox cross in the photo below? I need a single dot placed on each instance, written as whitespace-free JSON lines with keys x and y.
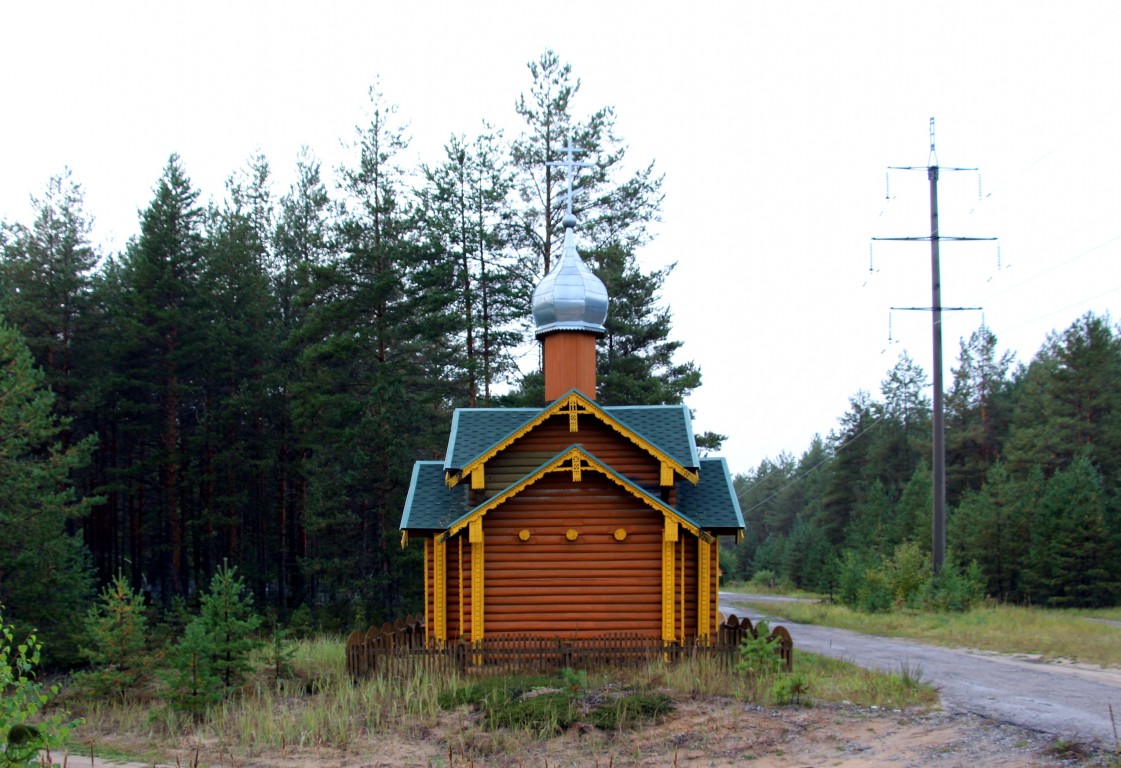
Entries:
{"x":571,"y":164}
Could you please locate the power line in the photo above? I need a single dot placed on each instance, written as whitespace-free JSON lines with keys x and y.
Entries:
{"x":938,"y":462}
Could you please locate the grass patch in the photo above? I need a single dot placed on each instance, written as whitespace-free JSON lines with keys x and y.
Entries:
{"x":1049,"y":633}
{"x":318,"y":707}
{"x":546,"y":706}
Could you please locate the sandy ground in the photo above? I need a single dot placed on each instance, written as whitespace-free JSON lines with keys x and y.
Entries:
{"x":706,"y":731}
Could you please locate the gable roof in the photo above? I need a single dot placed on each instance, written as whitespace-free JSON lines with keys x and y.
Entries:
{"x":712,"y":502}
{"x":431,"y":505}
{"x":665,"y":431}
{"x":576,"y":460}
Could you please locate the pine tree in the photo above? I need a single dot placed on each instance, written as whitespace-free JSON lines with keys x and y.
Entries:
{"x":229,"y":622}
{"x":117,"y":630}
{"x":1074,"y":558}
{"x":44,"y":570}
{"x":1069,"y":404}
{"x":159,"y":354}
{"x":610,"y":211}
{"x":47,"y":271}
{"x":635,"y":360}
{"x":978,"y":409}
{"x":465,"y":206}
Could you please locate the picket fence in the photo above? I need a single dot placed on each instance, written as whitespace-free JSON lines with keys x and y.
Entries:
{"x":401,"y":648}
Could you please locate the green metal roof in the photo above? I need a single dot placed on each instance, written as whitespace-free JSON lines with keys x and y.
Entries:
{"x":711,"y":502}
{"x":474,"y":430}
{"x":667,"y":427}
{"x":431,"y":505}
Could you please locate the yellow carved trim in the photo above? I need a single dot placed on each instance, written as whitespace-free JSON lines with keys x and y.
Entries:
{"x":478,"y":478}
{"x":683,"y":596}
{"x":666,"y":478}
{"x":572,"y":405}
{"x":565,"y":463}
{"x":427,"y":617}
{"x":404,"y":539}
{"x":573,"y":414}
{"x":477,"y":586}
{"x":668,"y":634}
{"x":669,"y":533}
{"x":459,"y":582}
{"x":576,"y":466}
{"x":475,"y":531}
{"x":716,"y":549}
{"x":440,"y":603}
{"x":704,"y":574}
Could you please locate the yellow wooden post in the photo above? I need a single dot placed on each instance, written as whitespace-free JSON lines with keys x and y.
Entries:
{"x":475,"y":536}
{"x":669,"y":539}
{"x":459,"y":582}
{"x":440,"y":601}
{"x":704,"y":571}
{"x":716,"y":577}
{"x":684,"y":597}
{"x":427,"y":615}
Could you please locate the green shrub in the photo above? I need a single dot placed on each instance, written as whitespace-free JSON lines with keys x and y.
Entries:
{"x":789,"y":688}
{"x":758,"y":653}
{"x":874,"y":594}
{"x":23,"y":701}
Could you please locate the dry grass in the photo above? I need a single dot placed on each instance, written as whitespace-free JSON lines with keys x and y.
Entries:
{"x":1051,"y":634}
{"x":319,"y":708}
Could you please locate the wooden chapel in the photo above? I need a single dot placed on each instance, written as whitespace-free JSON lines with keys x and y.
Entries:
{"x":572,"y":520}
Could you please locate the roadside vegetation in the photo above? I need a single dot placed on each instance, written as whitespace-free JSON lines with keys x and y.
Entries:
{"x":316,"y":707}
{"x":295,"y":697}
{"x":1049,"y":633}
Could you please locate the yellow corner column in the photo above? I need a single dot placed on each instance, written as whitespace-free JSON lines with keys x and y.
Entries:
{"x":427,"y":592}
{"x":478,"y":583}
{"x":669,"y":540}
{"x":440,"y":596}
{"x":704,"y":576}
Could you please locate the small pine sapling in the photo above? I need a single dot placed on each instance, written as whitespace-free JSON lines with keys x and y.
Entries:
{"x":229,"y":622}
{"x":118,"y":633}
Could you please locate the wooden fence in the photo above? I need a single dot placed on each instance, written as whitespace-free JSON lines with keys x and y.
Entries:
{"x":401,"y":648}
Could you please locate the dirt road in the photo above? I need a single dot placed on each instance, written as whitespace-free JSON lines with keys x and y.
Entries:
{"x":1066,"y":700}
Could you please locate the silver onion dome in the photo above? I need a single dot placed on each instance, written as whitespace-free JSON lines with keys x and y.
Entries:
{"x":570,"y":297}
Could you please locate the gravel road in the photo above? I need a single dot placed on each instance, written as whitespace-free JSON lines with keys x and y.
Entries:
{"x":1066,"y":700}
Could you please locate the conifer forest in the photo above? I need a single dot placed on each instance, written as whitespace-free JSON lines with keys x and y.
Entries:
{"x":248,"y":382}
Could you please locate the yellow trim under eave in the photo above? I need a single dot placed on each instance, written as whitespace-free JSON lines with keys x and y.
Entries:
{"x":567,"y":462}
{"x":572,"y":405}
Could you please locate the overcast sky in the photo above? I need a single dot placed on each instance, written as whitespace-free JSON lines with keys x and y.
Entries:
{"x":772,"y":122}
